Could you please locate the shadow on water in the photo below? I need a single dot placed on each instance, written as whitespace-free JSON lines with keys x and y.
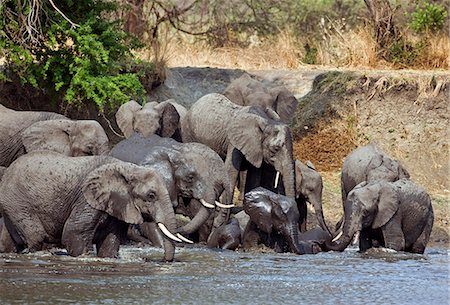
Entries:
{"x":204,"y":276}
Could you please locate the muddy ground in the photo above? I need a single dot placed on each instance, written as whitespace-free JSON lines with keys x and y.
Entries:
{"x":405,"y":112}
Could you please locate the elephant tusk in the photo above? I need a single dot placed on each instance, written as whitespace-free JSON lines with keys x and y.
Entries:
{"x":338,"y":236}
{"x":224,"y":206}
{"x":356,"y":238}
{"x":207,"y":204}
{"x":166,"y":232}
{"x":186,"y":240}
{"x":277,"y":177}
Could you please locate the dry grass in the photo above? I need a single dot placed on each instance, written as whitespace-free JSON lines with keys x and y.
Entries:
{"x":354,"y":48}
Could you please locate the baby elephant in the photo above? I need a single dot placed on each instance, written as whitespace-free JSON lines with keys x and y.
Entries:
{"x":396,"y":215}
{"x":226,"y":236}
{"x":274,"y":223}
{"x":49,"y":198}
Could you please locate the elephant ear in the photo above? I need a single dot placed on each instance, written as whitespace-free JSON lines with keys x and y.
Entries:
{"x":170,"y":118}
{"x":388,"y":204}
{"x":108,"y":188}
{"x":245,"y":133}
{"x":51,"y":135}
{"x":125,"y":117}
{"x":260,"y":213}
{"x":284,"y":103}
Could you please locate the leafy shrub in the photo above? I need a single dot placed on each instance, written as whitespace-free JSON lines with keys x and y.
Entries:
{"x":84,"y":58}
{"x":430,"y":17}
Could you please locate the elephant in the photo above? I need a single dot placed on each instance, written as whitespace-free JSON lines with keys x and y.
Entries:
{"x":49,"y":198}
{"x":25,"y":131}
{"x":227,"y":236}
{"x":2,"y":171}
{"x":163,"y":119}
{"x":274,"y":222}
{"x":247,"y":91}
{"x":190,"y":170}
{"x":308,"y":188}
{"x":396,"y":215}
{"x":368,"y":163}
{"x":244,"y":136}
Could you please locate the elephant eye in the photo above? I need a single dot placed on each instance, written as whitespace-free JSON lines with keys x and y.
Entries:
{"x":151,"y":196}
{"x":190,"y":178}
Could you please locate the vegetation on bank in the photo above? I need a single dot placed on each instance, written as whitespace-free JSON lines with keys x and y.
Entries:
{"x":107,"y":52}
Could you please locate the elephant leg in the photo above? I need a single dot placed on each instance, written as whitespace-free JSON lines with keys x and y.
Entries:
{"x":365,"y":240}
{"x":151,"y":231}
{"x":30,"y":231}
{"x":134,"y":234}
{"x":79,"y":229}
{"x":303,"y":211}
{"x":393,"y":235}
{"x":233,"y":163}
{"x":253,"y":179}
{"x":242,"y":179}
{"x":251,"y":237}
{"x":419,"y":245}
{"x":6,"y":242}
{"x":109,"y":237}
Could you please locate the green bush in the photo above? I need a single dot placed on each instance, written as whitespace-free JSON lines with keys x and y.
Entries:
{"x":429,"y":17}
{"x":86,"y":59}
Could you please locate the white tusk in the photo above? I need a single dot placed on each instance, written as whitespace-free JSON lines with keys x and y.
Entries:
{"x":356,"y":238}
{"x":166,"y":232}
{"x":277,"y":177}
{"x":206,"y":204}
{"x":338,"y":236}
{"x":224,"y":206}
{"x":184,"y":239}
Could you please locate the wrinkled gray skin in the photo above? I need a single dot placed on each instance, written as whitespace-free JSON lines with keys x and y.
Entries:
{"x":368,"y":163}
{"x":274,"y":222}
{"x":227,"y":236}
{"x":396,"y":215}
{"x":308,"y":187}
{"x":25,"y":131}
{"x":244,"y":137}
{"x":163,"y":119}
{"x":48,"y":198}
{"x":247,"y":91}
{"x":191,"y":171}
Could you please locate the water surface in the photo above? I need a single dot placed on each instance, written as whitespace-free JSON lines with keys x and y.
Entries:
{"x":204,"y":276}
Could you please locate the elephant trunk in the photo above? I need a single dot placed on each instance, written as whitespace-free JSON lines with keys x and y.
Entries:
{"x":317,"y":204}
{"x":350,"y":226}
{"x":293,"y":234}
{"x":165,"y":215}
{"x":200,"y":218}
{"x":286,"y":168}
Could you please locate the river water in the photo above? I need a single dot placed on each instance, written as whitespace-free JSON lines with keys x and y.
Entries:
{"x":204,"y":276}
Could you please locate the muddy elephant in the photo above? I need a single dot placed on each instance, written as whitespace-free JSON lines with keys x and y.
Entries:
{"x":186,"y":169}
{"x":247,"y":91}
{"x":244,"y":136}
{"x":396,"y":215}
{"x":226,"y":236}
{"x":274,"y":223}
{"x":49,"y":198}
{"x":163,"y":119}
{"x":25,"y":131}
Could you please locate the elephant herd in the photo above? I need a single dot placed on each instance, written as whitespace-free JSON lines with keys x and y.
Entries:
{"x":174,"y":177}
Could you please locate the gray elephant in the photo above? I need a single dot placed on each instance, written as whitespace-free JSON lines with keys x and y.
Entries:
{"x":369,"y":163}
{"x":49,"y":198}
{"x":227,"y":236}
{"x":247,"y":91}
{"x":163,"y":119}
{"x":274,"y":223}
{"x":24,"y":131}
{"x":245,"y":136}
{"x":191,"y":171}
{"x":396,"y":215}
